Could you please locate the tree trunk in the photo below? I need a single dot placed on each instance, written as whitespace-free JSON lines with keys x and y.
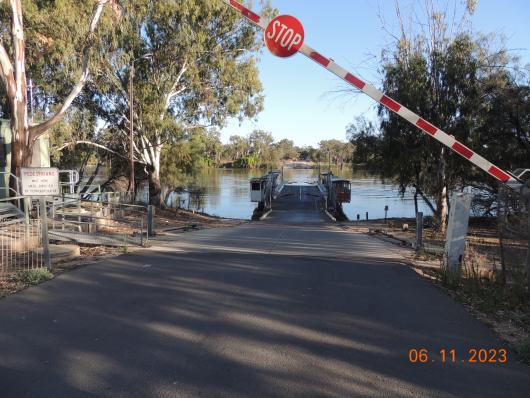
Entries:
{"x":155,"y":189}
{"x":21,"y":154}
{"x":441,"y":197}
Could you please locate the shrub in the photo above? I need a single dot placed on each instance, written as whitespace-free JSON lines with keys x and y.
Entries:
{"x":34,"y":276}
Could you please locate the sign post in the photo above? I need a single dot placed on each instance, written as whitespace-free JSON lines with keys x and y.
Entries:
{"x":455,"y":240}
{"x":41,"y":182}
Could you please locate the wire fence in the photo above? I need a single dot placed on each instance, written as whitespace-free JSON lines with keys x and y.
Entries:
{"x":21,"y":247}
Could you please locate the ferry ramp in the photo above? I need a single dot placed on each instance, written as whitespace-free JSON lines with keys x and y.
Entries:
{"x":298,"y":203}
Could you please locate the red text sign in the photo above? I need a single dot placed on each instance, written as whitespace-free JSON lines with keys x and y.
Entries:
{"x":284,"y":36}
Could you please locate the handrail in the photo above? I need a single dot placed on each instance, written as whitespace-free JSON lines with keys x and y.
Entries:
{"x":18,"y":189}
{"x":12,"y":198}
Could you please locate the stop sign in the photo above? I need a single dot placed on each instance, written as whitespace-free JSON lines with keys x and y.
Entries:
{"x":284,"y":36}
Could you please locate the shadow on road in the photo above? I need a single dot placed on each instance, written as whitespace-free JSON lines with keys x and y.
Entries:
{"x":205,"y":321}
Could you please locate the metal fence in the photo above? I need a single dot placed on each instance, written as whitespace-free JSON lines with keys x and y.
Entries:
{"x":105,"y":221}
{"x":21,"y":247}
{"x":514,"y":235}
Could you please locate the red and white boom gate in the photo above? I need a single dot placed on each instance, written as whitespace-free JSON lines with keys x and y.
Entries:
{"x":284,"y":36}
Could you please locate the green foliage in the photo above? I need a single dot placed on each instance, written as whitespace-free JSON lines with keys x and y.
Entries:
{"x":193,"y":64}
{"x":285,"y":150}
{"x":248,"y":162}
{"x":364,"y":138}
{"x":459,"y":82}
{"x":34,"y":276}
{"x":55,"y":33}
{"x":189,"y":154}
{"x":336,"y":151}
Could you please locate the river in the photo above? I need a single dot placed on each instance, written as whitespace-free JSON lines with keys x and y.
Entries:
{"x":227,"y":193}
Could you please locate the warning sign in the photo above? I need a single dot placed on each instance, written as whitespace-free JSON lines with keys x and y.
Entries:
{"x":40,"y":181}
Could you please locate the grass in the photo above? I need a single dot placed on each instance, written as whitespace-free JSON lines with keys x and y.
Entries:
{"x":14,"y":283}
{"x":423,"y":255}
{"x":33,"y":276}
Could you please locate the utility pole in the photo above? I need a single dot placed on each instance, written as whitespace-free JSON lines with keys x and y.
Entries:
{"x":131,"y":130}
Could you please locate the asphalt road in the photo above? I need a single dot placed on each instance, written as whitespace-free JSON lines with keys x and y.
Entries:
{"x":262,"y":310}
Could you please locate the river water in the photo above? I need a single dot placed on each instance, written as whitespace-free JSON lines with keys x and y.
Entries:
{"x":227,"y":193}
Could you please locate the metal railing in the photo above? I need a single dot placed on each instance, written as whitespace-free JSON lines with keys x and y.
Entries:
{"x":89,"y":220}
{"x":8,"y":190}
{"x":73,"y":179}
{"x":20,"y":247}
{"x":18,"y":199}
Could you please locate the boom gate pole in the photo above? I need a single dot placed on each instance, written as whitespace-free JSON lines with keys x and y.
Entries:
{"x":377,"y":95}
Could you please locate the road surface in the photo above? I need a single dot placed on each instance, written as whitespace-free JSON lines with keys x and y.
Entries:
{"x":261,"y":310}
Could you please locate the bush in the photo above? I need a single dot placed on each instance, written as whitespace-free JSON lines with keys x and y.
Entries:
{"x":34,"y":276}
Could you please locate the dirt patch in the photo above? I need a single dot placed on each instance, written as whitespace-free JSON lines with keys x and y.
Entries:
{"x":172,"y":218}
{"x":9,"y":286}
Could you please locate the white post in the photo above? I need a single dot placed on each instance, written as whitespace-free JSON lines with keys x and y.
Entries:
{"x":45,"y":238}
{"x":457,"y":231}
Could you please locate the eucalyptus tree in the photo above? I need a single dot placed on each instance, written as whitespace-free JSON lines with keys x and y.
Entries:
{"x":195,"y":67}
{"x":51,"y":42}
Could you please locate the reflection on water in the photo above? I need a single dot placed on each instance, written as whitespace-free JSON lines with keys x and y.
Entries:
{"x":227,"y":193}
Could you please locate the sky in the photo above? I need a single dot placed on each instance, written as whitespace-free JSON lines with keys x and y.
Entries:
{"x":306,"y":103}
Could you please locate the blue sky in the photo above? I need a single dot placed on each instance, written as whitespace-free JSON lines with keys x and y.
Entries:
{"x":301,"y":98}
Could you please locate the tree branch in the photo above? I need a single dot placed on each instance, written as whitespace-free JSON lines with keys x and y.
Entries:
{"x":173,"y":91}
{"x":6,"y":72}
{"x":78,"y":142}
{"x":37,"y":130}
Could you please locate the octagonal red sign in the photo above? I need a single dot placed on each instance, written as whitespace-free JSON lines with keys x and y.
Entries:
{"x":284,"y":36}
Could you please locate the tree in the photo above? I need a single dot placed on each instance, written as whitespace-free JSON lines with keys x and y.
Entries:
{"x":194,"y":68}
{"x":260,"y":145}
{"x":285,"y":150}
{"x":49,"y":55}
{"x":366,"y":142}
{"x":335,"y":151}
{"x":237,"y":148}
{"x":443,"y":76}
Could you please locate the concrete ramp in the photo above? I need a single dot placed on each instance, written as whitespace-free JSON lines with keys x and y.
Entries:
{"x":298,"y":203}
